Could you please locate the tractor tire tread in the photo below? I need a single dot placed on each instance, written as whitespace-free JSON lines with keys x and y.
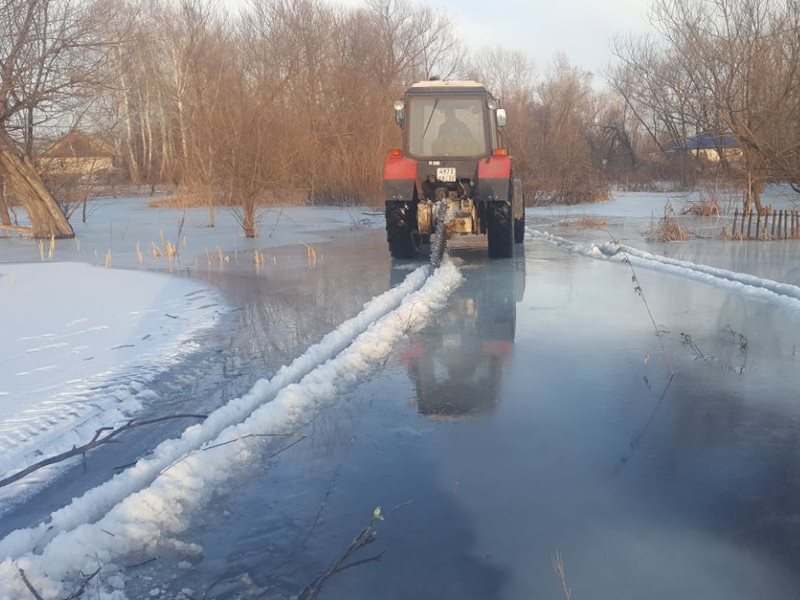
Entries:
{"x":500,"y":230}
{"x":401,"y":223}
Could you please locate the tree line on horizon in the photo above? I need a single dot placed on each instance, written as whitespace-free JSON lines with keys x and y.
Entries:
{"x":291,"y":100}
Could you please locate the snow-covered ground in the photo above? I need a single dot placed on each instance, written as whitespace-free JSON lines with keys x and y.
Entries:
{"x":79,"y":346}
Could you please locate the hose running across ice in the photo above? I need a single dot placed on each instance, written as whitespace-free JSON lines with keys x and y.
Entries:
{"x":784,"y":295}
{"x":438,"y":246}
{"x":152,"y":517}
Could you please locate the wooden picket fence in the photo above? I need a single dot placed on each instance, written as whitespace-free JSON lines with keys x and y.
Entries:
{"x":778,"y":225}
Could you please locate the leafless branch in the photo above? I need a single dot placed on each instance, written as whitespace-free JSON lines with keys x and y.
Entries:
{"x":97,"y":440}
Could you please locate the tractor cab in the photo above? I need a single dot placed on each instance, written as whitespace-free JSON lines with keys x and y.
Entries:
{"x":452,"y":152}
{"x":442,"y":119}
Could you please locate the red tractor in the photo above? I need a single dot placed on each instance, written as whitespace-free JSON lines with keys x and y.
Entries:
{"x":453,"y":152}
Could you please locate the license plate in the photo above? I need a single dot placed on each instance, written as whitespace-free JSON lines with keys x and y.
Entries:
{"x":451,"y":340}
{"x":447,"y":174}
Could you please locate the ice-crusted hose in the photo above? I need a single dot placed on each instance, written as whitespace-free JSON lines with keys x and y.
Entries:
{"x":437,"y":248}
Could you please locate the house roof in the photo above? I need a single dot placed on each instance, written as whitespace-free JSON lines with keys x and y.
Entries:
{"x":77,"y":144}
{"x":709,"y":141}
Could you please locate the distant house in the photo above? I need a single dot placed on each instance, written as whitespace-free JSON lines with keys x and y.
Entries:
{"x":77,"y":153}
{"x":711,"y":147}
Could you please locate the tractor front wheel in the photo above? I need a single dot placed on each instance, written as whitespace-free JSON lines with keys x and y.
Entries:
{"x":500,"y":229}
{"x":401,"y":223}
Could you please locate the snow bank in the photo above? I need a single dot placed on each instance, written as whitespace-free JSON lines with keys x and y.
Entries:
{"x":79,"y":346}
{"x":150,"y":519}
{"x":783,"y":295}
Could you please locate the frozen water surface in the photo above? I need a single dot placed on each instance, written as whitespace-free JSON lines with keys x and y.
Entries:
{"x":567,"y":441}
{"x":534,"y":416}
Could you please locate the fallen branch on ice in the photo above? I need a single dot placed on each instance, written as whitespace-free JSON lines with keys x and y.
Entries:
{"x":637,"y":287}
{"x":29,"y":585}
{"x":98,"y":440}
{"x":73,"y":596}
{"x":300,"y":438}
{"x":558,"y":567}
{"x":364,"y":538}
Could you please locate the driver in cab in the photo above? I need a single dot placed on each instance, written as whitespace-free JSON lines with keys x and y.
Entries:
{"x":455,"y":138}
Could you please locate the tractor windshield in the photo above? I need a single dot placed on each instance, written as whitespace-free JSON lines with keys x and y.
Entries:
{"x":446,"y":126}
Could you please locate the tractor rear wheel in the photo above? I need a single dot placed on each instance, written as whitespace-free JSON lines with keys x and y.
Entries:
{"x":500,"y":229}
{"x":401,"y":223}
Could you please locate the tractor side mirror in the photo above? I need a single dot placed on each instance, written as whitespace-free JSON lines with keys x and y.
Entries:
{"x":502,"y":118}
{"x":400,"y":113}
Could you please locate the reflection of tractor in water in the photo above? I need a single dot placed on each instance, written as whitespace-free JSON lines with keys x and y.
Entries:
{"x":452,"y":153}
{"x":456,"y":363}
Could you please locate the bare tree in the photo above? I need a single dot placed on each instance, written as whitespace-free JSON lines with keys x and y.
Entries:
{"x":51,"y":55}
{"x":724,"y":67}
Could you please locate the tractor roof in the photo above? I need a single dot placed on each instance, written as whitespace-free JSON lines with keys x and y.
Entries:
{"x":456,"y":85}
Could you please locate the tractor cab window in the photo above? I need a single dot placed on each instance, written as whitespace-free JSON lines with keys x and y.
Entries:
{"x":446,"y":126}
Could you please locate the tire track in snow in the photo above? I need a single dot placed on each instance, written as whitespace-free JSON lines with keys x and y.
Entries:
{"x":783,"y":295}
{"x":149,"y":517}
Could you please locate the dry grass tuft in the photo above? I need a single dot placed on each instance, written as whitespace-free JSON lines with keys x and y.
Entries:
{"x":166,"y":248}
{"x":177,"y":201}
{"x":222,"y":257}
{"x":668,"y":228}
{"x":311,"y":253}
{"x":585,"y":222}
{"x":184,"y":200}
{"x":702,"y":208}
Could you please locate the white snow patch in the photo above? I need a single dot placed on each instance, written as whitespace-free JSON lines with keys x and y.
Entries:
{"x":783,"y":295}
{"x":152,"y":517}
{"x":73,"y":358}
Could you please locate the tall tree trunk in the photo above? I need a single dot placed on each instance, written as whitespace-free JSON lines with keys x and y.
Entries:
{"x":754,"y":185}
{"x":29,"y":133}
{"x":165,"y":169}
{"x":142,"y":109}
{"x":755,"y":189}
{"x":249,"y":215}
{"x":133,"y":165}
{"x":47,"y":218}
{"x":149,"y":129}
{"x":5,"y":216}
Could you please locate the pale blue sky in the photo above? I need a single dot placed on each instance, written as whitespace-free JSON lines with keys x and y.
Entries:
{"x":580,"y":28}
